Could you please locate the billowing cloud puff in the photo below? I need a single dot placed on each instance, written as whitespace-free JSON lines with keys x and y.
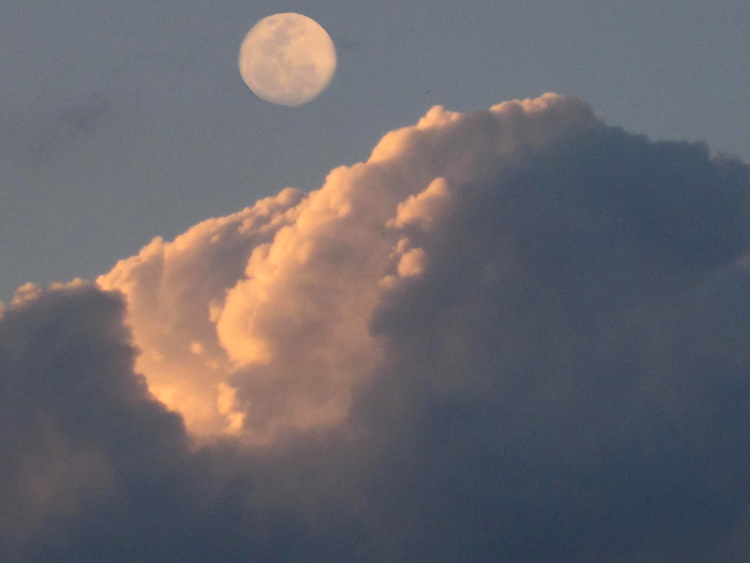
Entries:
{"x":175,"y":293}
{"x":511,"y":335}
{"x":257,"y":323}
{"x":76,"y":420}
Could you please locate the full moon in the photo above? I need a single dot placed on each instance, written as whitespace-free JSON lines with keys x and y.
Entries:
{"x":287,"y":59}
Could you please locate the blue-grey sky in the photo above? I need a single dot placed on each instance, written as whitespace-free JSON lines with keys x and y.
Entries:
{"x":122,"y":121}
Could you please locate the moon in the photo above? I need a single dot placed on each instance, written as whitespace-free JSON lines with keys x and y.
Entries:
{"x":287,"y":59}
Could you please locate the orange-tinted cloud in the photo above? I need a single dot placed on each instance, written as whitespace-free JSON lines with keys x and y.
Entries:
{"x":512,"y":335}
{"x":257,"y":323}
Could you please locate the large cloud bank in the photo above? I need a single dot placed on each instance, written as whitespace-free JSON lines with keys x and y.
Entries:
{"x":512,"y":335}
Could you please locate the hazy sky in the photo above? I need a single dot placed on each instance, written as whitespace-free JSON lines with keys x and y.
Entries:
{"x":371,"y":328}
{"x":122,"y":121}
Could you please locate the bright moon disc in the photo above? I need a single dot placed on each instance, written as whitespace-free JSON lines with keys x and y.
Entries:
{"x":287,"y":59}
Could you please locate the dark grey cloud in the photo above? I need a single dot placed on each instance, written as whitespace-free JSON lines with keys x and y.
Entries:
{"x":578,"y":380}
{"x":94,"y":469}
{"x":564,"y":375}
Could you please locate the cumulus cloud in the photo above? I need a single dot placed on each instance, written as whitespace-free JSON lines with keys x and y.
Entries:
{"x":515,"y":334}
{"x":75,"y":418}
{"x":175,"y":293}
{"x":275,"y":337}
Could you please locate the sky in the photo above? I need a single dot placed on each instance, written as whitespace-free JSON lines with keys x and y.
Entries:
{"x":439,"y":313}
{"x":126,"y":121}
